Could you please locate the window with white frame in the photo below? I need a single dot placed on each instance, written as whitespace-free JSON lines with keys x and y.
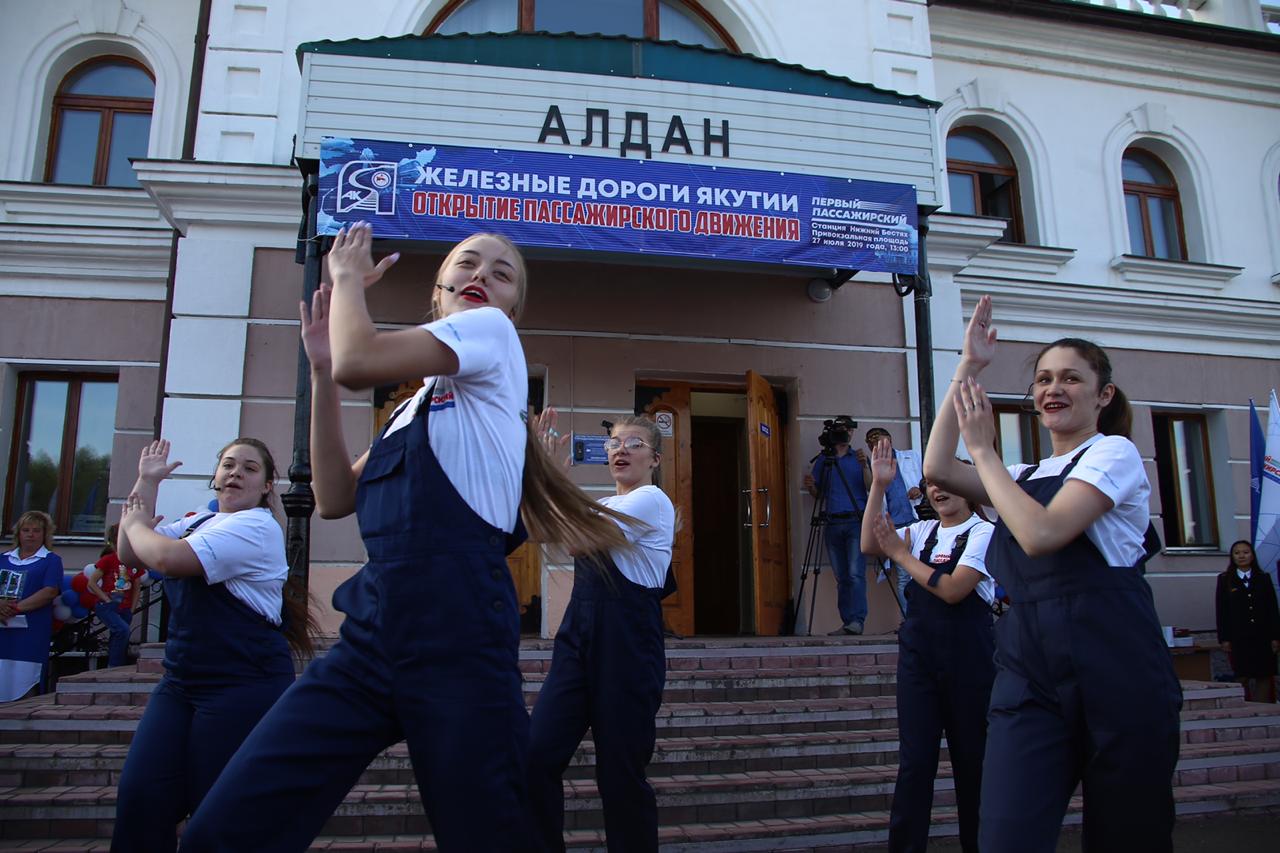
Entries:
{"x":1185,"y":473}
{"x":61,"y":453}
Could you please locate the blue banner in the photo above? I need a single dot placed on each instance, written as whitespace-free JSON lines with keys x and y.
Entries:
{"x":568,"y":201}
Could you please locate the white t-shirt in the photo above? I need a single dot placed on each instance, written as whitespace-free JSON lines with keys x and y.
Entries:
{"x":647,"y":563}
{"x":1112,"y":466}
{"x":243,"y":550}
{"x":975,"y":550}
{"x":476,"y":425}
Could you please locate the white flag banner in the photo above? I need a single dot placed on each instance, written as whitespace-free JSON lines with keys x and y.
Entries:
{"x":1267,"y":543}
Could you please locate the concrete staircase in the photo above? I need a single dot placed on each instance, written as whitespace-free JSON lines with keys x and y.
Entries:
{"x":763,"y":744}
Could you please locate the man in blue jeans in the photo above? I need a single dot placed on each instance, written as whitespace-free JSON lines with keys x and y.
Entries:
{"x":837,"y":479}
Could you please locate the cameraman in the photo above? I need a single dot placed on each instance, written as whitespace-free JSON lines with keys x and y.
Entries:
{"x":837,"y":480}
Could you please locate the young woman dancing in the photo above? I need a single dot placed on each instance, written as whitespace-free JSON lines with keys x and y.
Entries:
{"x":1085,"y":690}
{"x":945,"y":650}
{"x":231,"y":624}
{"x":430,"y":644}
{"x":609,"y":664}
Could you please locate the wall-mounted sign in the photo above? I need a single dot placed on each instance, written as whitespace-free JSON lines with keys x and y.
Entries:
{"x":444,"y":193}
{"x":588,"y":450}
{"x":665,"y":421}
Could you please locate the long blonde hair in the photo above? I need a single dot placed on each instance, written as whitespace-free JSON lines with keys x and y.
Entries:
{"x":553,"y":508}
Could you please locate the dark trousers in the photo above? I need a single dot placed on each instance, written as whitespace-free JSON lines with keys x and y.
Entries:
{"x":185,"y":738}
{"x":941,"y":689}
{"x":117,"y":623}
{"x":1035,"y":755}
{"x":607,"y":674}
{"x":419,"y":660}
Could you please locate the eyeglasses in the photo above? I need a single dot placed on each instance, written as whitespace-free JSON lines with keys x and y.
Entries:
{"x":630,"y":443}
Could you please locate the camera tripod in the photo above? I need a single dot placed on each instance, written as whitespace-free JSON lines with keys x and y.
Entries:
{"x":815,"y":546}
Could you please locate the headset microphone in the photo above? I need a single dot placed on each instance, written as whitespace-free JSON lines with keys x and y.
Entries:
{"x":447,"y":287}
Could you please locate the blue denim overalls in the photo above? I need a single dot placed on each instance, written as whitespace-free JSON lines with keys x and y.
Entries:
{"x":945,"y":670}
{"x":225,"y":666}
{"x":1085,"y":692}
{"x":428,"y":653}
{"x":607,"y":672}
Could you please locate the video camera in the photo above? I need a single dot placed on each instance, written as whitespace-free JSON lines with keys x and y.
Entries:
{"x":836,"y":431}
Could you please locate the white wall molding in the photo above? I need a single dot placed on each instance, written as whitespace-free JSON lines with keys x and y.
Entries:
{"x":1271,"y":206}
{"x":223,"y":194}
{"x":1151,"y":126}
{"x":1117,"y":317}
{"x":983,"y":103}
{"x":206,"y":356}
{"x":84,"y":263}
{"x":954,"y":239}
{"x":1155,"y":64}
{"x":213,"y":277}
{"x":1158,"y":274}
{"x":93,"y":28}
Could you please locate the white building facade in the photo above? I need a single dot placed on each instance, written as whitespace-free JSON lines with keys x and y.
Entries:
{"x":1104,"y":170}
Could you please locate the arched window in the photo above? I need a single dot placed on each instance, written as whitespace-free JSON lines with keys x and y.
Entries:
{"x":1152,"y":207}
{"x":670,"y":20}
{"x":983,"y":179}
{"x":101,"y":118}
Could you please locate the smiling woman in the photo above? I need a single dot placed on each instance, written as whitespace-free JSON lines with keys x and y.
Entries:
{"x":231,"y":624}
{"x":1084,"y":689}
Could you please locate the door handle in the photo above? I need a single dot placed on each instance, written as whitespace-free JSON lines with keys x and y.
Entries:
{"x":768,"y":506}
{"x":747,"y":523}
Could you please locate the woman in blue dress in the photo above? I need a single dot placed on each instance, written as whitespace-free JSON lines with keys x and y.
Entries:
{"x":30,"y":577}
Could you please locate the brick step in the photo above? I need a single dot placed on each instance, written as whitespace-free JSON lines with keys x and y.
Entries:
{"x":740,"y":832}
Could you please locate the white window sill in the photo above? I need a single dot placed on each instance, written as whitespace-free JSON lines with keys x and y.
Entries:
{"x":1173,"y":276}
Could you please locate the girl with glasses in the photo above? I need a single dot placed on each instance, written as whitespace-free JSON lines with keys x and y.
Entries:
{"x":429,"y":648}
{"x":609,"y":664}
{"x":1085,"y":691}
{"x":945,"y":649}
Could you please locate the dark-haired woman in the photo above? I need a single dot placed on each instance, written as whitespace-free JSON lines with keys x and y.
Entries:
{"x":227,"y":657}
{"x":945,"y":649}
{"x":1248,"y":624}
{"x":1085,"y":691}
{"x":609,"y":664}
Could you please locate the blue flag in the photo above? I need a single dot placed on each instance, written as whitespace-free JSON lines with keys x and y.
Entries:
{"x":1257,"y":452}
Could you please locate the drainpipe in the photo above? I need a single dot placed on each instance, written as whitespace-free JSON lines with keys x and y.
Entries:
{"x":188,"y":153}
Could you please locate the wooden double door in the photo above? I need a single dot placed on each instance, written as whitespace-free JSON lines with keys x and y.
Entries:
{"x":761,"y":496}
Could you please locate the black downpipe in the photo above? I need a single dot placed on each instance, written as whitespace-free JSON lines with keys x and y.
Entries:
{"x":299,"y":502}
{"x":924,"y":336}
{"x":188,"y":153}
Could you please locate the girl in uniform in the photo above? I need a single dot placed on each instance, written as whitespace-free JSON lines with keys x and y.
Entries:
{"x":1085,"y":690}
{"x":1248,"y":623}
{"x":231,"y":624}
{"x":945,"y":649}
{"x":609,"y":664}
{"x":429,"y":647}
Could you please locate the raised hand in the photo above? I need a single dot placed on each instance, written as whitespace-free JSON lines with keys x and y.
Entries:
{"x":544,"y":427}
{"x":973,"y":412}
{"x":884,"y":464}
{"x":315,"y":329}
{"x":351,"y":256}
{"x":887,"y":539}
{"x":980,"y":336}
{"x":153,"y":464}
{"x":136,"y":512}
